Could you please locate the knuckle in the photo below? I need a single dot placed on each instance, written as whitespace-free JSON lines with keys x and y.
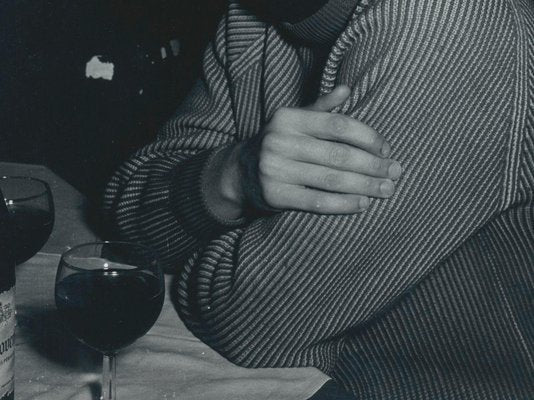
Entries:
{"x":331,"y":181}
{"x":314,"y":202}
{"x":370,"y":185}
{"x":271,"y":201}
{"x":263,"y":166}
{"x":266,"y":164}
{"x":378,"y":165}
{"x":338,"y":124}
{"x":267,"y":141}
{"x":271,"y":142}
{"x":339,"y":155}
{"x":269,"y":194}
{"x":327,"y":203}
{"x":375,"y":165}
{"x":280,"y":115}
{"x":341,"y":205}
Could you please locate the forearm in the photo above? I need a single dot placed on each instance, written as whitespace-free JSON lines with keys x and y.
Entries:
{"x":156,"y":197}
{"x":137,"y":204}
{"x":161,"y":199}
{"x":284,"y":291}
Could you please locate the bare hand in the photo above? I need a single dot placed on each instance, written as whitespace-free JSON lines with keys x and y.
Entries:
{"x":312,"y":160}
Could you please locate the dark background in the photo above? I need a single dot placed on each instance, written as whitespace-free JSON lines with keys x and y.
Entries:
{"x":51,"y":114}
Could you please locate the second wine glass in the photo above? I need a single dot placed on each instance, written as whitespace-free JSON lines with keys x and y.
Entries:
{"x":31,"y":210}
{"x":109,"y":294}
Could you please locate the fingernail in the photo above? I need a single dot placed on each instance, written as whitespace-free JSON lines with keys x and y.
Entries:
{"x":395,"y":170}
{"x":364,"y":203}
{"x":387,"y":188}
{"x":386,"y":149}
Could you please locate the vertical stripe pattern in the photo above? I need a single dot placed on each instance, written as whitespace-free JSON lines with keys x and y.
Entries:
{"x":427,"y":295}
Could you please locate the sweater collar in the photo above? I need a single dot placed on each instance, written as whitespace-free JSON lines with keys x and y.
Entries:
{"x":323,"y":27}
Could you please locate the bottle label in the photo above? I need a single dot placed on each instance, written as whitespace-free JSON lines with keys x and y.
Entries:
{"x":7,"y":342}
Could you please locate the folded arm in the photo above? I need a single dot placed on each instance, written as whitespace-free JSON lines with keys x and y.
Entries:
{"x":437,"y":80}
{"x":137,"y":199}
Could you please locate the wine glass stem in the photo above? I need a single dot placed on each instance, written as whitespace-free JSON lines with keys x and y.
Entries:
{"x":109,"y":377}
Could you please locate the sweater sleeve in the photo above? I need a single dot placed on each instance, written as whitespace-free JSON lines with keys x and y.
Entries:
{"x":156,"y":196}
{"x":439,"y":80}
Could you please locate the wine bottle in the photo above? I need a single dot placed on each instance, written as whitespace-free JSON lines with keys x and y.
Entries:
{"x":7,"y":307}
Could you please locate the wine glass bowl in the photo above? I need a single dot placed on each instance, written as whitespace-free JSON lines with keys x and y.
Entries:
{"x":31,"y":210}
{"x":108,"y":295}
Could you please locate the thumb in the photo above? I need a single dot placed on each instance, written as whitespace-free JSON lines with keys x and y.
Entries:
{"x":331,"y":100}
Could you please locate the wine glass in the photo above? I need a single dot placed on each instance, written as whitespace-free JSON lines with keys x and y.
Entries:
{"x":109,"y":294}
{"x":31,"y":210}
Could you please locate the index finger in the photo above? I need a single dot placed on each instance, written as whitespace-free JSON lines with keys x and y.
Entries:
{"x":341,"y":128}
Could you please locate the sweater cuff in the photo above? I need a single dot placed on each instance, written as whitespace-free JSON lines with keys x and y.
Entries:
{"x":188,"y":202}
{"x":332,"y":391}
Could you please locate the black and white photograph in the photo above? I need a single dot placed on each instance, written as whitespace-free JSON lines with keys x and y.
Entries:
{"x":266,"y":200}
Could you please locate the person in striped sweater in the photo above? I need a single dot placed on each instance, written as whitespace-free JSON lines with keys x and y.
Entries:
{"x":349,"y":186}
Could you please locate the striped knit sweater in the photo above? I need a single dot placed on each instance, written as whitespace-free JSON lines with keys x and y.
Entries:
{"x":428,"y":295}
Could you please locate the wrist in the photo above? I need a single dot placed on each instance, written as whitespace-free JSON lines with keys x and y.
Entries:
{"x":222,"y":184}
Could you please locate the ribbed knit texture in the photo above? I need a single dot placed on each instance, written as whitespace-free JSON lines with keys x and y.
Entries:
{"x":324,"y":26}
{"x":187,"y":199}
{"x":284,"y":10}
{"x":332,"y":391}
{"x":428,"y":295}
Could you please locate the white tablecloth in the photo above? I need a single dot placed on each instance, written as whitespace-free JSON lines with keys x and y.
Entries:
{"x":167,"y":363}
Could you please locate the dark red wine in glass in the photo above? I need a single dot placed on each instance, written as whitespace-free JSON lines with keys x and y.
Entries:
{"x":109,"y":310}
{"x":31,"y":210}
{"x":108,"y":295}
